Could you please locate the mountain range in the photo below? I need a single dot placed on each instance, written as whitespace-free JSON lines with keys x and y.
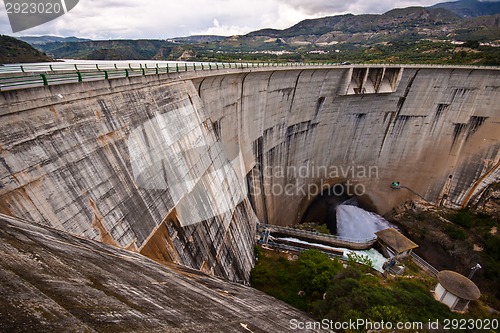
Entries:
{"x":341,"y":37}
{"x":471,"y":8}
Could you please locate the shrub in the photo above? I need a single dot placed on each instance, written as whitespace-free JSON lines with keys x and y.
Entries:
{"x":473,"y":44}
{"x":322,"y":228}
{"x":463,"y":218}
{"x":354,"y":258}
{"x":455,"y":233}
{"x":342,"y":288}
{"x":387,"y":313}
{"x":492,"y":246}
{"x":350,"y":294}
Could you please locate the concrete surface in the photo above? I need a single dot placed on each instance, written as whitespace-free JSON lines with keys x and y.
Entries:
{"x":180,"y":168}
{"x":54,"y":282}
{"x":438,"y":133}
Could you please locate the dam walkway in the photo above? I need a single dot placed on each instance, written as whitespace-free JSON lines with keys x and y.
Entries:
{"x":21,"y":76}
{"x":265,"y":231}
{"x":14,"y":77}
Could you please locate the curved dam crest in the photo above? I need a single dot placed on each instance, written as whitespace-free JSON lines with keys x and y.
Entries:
{"x":181,"y":169}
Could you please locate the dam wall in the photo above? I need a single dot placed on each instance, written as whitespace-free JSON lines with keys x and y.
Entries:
{"x":123,"y":162}
{"x":435,"y":130}
{"x":181,"y":167}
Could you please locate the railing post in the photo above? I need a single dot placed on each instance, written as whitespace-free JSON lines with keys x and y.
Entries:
{"x":22,"y":68}
{"x":126,"y":72}
{"x":106,"y":77}
{"x":80,"y":78}
{"x":167,"y":70}
{"x":177,"y":68}
{"x":44,"y":79}
{"x":186,"y":66}
{"x":51,"y":69}
{"x":143,"y":71}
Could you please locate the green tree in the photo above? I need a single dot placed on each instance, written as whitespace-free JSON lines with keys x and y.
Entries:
{"x":473,"y":44}
{"x":316,"y":270}
{"x":354,"y":259}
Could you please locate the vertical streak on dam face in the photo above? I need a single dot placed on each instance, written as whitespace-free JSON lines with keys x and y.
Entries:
{"x":181,"y":170}
{"x":177,"y":151}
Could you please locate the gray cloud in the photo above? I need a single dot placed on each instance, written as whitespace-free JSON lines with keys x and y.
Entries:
{"x":312,"y":7}
{"x":104,"y":19}
{"x":331,"y":7}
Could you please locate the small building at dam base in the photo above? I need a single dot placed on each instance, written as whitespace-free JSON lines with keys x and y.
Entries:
{"x":455,"y":290}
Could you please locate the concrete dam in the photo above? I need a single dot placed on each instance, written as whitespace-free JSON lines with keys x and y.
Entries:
{"x":182,"y":166}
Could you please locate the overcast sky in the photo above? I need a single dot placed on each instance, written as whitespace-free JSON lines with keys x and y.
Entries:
{"x":105,"y":19}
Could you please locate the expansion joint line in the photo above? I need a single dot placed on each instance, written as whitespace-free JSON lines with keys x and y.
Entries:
{"x":394,"y":116}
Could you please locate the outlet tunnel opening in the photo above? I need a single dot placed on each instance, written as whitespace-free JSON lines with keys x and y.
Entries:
{"x":322,"y":210}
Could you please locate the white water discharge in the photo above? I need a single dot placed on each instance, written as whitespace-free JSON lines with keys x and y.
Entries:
{"x":376,"y":257}
{"x":357,"y":224}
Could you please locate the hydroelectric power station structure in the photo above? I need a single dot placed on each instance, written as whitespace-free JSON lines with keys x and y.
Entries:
{"x":181,"y":165}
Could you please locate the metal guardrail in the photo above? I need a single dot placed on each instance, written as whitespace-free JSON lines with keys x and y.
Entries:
{"x":423,"y":264}
{"x":37,"y":75}
{"x":298,"y":249}
{"x":313,"y":233}
{"x":325,"y":238}
{"x":285,"y":247}
{"x":173,"y":66}
{"x":137,"y":65}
